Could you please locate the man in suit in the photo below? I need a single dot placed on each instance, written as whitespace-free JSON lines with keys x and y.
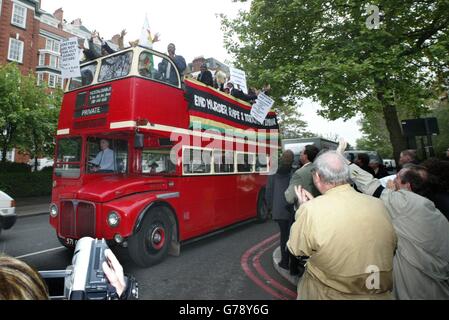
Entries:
{"x":303,"y":176}
{"x":206,"y":76}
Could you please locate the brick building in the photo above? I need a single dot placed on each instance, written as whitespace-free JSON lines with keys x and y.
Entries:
{"x":31,"y":37}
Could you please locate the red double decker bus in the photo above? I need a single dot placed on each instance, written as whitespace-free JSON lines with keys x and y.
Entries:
{"x":148,"y":161}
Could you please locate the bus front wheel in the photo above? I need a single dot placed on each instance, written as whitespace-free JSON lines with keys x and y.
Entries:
{"x":151,"y":243}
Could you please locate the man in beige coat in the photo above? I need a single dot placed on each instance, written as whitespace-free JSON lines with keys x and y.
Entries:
{"x":348,"y":236}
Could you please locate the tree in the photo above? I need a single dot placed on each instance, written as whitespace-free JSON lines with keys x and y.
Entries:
{"x":39,"y":123}
{"x":28,"y":113}
{"x":11,"y":106}
{"x":324,"y":50}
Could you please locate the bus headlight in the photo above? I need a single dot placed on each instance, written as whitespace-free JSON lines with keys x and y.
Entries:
{"x":113,"y":219}
{"x":53,"y":210}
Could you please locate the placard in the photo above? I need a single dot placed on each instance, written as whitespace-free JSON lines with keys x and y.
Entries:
{"x":70,"y":61}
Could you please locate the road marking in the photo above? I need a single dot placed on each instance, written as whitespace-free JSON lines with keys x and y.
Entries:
{"x":39,"y":252}
{"x":267,"y":283}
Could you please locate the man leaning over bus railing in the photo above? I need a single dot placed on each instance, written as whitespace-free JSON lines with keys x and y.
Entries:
{"x":104,"y":161}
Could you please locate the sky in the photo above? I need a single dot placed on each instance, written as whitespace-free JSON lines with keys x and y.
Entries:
{"x":192,"y":25}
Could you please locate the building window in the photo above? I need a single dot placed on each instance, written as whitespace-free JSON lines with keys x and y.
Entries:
{"x":19,"y":15}
{"x":15,"y":52}
{"x":42,"y":59}
{"x":40,"y":78}
{"x":53,"y":61}
{"x":59,"y":82}
{"x":52,"y":45}
{"x":51,"y":80}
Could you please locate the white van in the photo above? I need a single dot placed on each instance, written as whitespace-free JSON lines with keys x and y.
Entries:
{"x":8,"y":214}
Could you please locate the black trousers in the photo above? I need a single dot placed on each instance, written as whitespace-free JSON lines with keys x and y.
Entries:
{"x":286,"y":257}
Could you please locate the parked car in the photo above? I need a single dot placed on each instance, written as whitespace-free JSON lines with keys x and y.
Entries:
{"x":41,"y":163}
{"x":8,"y":214}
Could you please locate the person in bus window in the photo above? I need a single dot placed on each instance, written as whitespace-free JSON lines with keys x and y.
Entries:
{"x":104,"y":161}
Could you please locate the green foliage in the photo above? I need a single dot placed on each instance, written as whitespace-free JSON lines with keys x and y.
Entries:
{"x":28,"y":113}
{"x":14,"y":167}
{"x":26,"y":184}
{"x":323,"y":50}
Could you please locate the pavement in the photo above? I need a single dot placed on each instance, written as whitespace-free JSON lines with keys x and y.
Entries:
{"x":283,"y":272}
{"x":32,"y":206}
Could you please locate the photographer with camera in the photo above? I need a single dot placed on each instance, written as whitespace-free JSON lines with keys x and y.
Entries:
{"x":96,"y":274}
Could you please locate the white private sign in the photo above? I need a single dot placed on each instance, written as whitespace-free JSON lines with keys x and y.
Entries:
{"x":70,"y":60}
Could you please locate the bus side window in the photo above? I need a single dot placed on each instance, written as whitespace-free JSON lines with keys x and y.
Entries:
{"x":146,"y":65}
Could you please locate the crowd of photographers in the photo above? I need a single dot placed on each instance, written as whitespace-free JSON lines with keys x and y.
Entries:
{"x":350,"y":236}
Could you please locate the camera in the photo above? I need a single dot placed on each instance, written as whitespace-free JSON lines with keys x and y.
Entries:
{"x":85,"y":278}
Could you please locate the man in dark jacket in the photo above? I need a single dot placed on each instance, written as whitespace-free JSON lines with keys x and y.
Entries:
{"x":206,"y":76}
{"x":281,"y":211}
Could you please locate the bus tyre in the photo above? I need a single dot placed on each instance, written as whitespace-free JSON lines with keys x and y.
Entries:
{"x":262,"y":208}
{"x":151,"y":243}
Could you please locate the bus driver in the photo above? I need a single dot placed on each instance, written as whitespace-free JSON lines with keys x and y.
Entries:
{"x":104,"y":161}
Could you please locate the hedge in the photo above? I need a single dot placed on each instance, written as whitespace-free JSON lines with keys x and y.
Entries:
{"x":26,"y":184}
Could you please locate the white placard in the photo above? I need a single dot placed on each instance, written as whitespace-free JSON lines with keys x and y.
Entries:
{"x":70,"y":60}
{"x":261,"y":108}
{"x":238,"y":77}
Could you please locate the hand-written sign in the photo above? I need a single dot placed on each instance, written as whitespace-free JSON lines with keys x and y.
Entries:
{"x":238,"y":77}
{"x":261,"y":108}
{"x":70,"y":66}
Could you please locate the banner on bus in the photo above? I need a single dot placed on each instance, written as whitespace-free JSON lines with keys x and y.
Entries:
{"x":210,"y":104}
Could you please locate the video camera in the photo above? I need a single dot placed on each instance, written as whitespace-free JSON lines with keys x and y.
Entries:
{"x":85,"y":279}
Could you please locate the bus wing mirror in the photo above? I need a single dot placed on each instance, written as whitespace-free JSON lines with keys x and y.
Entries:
{"x":138,"y":140}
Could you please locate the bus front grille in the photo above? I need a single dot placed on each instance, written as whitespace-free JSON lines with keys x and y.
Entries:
{"x":77,"y":219}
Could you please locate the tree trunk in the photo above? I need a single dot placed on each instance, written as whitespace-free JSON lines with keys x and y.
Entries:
{"x":394,"y":129}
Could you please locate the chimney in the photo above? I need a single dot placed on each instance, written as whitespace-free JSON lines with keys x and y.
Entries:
{"x":77,"y":22}
{"x":59,"y":14}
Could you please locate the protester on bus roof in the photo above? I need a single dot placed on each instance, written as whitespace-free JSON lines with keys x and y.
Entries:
{"x":281,"y":211}
{"x":239,"y":94}
{"x":421,"y":262}
{"x":165,"y":68}
{"x":220,"y":79}
{"x":351,"y":250}
{"x":205,"y":76}
{"x":104,"y":161}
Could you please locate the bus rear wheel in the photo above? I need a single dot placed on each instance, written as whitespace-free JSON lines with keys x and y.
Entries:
{"x":151,"y":243}
{"x":262,"y":207}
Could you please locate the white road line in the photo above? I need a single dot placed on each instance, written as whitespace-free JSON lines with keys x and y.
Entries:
{"x":39,"y":252}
